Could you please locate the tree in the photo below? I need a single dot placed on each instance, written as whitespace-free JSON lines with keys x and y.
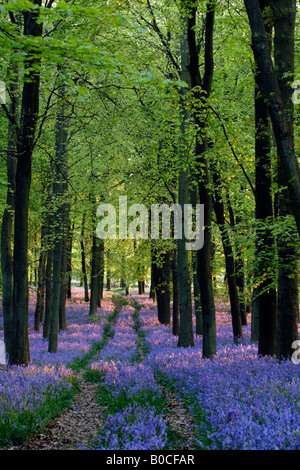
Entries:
{"x":185,"y":337}
{"x":19,"y":353}
{"x":201,"y":93}
{"x":266,"y":296}
{"x":288,"y":302}
{"x":60,"y":224}
{"x":8,"y":215}
{"x":278,"y":115}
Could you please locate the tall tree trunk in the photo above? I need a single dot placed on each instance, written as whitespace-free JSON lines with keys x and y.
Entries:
{"x":229,"y":259}
{"x":185,"y":337}
{"x":202,"y":90}
{"x":19,"y":354}
{"x":83,"y":263}
{"x":108,"y":273}
{"x":40,"y":300}
{"x":152,"y":294}
{"x":8,"y":215}
{"x":288,"y":302}
{"x":69,"y":260}
{"x":265,"y":243}
{"x":175,"y":311}
{"x":48,"y":301}
{"x":58,"y":193}
{"x":161,"y":279}
{"x":94,"y":298}
{"x":265,"y":248}
{"x":64,"y":277}
{"x":100,"y":270}
{"x":282,"y":130}
{"x":197,"y":298}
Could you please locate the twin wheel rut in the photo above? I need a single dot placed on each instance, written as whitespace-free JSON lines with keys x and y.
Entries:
{"x":78,"y":426}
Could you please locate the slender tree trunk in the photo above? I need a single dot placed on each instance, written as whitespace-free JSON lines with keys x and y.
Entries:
{"x":8,"y":215}
{"x":176,"y":302}
{"x":108,"y":273}
{"x":202,"y":90}
{"x":64,"y":277}
{"x":69,"y":260}
{"x":197,"y":298}
{"x":265,"y":243}
{"x":161,"y":279}
{"x":100,"y":276}
{"x":83,"y":263}
{"x":152,"y":294}
{"x":19,"y":354}
{"x":94,"y":298}
{"x":288,"y":302}
{"x":185,"y":337}
{"x":47,"y":316}
{"x":40,"y":300}
{"x":229,"y":259}
{"x":58,"y":193}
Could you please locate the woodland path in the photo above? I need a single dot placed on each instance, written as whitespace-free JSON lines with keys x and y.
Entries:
{"x":80,"y":423}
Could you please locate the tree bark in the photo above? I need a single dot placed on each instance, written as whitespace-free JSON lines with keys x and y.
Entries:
{"x":8,"y":216}
{"x":175,"y":311}
{"x":40,"y":300}
{"x":49,"y":264}
{"x":202,"y":90}
{"x":83,"y":263}
{"x":264,"y":214}
{"x":59,"y":221}
{"x":94,"y":298}
{"x":19,"y":354}
{"x":185,"y":337}
{"x":288,"y":302}
{"x":161,"y":279}
{"x":69,"y":260}
{"x":278,"y":114}
{"x":229,"y":259}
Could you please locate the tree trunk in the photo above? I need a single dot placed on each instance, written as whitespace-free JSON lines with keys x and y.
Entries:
{"x":265,"y":243}
{"x":175,"y":311}
{"x":279,"y":117}
{"x":288,"y":302}
{"x":197,"y":298}
{"x":19,"y":354}
{"x":8,"y":215}
{"x":64,"y":277}
{"x":83,"y":263}
{"x":94,"y":298}
{"x":152,"y":294}
{"x":46,"y":324}
{"x":185,"y":337}
{"x":161,"y":278}
{"x":40,"y":300}
{"x":69,"y":261}
{"x":59,"y":221}
{"x":202,"y":90}
{"x":100,"y":276}
{"x":229,"y":259}
{"x":108,"y":273}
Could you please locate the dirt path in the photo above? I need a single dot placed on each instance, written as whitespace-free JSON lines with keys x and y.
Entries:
{"x":79,"y":424}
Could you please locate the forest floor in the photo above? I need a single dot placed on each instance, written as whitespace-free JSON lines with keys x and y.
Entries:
{"x":81,"y":422}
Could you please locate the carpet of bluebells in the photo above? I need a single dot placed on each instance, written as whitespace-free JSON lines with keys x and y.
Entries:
{"x":29,"y":395}
{"x":238,"y":400}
